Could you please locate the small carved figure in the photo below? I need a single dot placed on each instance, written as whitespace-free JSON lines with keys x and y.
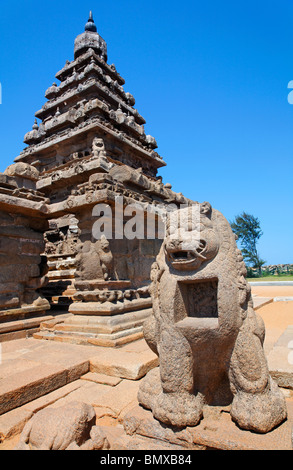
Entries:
{"x":205,"y":331}
{"x":98,"y":147}
{"x":106,"y":258}
{"x":94,"y":260}
{"x":71,"y":427}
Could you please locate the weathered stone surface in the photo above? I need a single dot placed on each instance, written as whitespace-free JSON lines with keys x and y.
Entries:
{"x":101,"y":379}
{"x":208,"y":338}
{"x":216,"y":431}
{"x":31,"y":369}
{"x":140,"y":422}
{"x":280,"y":359}
{"x":23,"y":269}
{"x":135,"y":443}
{"x":129,"y":362}
{"x":30,"y":384}
{"x":24,"y":170}
{"x":12,"y":423}
{"x":69,"y":428}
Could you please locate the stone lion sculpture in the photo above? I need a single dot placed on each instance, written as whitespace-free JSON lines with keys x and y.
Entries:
{"x":204,"y":329}
{"x":71,"y":427}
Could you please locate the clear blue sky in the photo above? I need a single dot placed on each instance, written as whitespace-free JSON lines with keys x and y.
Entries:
{"x":210,"y":78}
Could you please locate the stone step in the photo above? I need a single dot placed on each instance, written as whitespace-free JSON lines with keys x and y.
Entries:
{"x":131,"y":362}
{"x":21,"y":328}
{"x":259,"y":302}
{"x":33,"y":383}
{"x":21,"y":313}
{"x":13,"y":422}
{"x":30,"y":375}
{"x":59,"y":317}
{"x":112,"y":331}
{"x":58,"y":287}
{"x":87,"y":339}
{"x":36,"y":374}
{"x":280,"y":359}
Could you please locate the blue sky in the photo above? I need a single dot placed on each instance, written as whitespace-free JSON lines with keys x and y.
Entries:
{"x":210,"y":78}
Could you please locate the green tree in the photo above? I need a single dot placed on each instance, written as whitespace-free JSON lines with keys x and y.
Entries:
{"x":247,"y":228}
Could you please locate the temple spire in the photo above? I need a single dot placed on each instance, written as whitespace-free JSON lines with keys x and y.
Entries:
{"x":90,"y":26}
{"x":90,"y":39}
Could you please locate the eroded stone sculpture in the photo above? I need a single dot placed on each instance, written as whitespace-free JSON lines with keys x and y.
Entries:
{"x":208,"y":338}
{"x":71,"y":427}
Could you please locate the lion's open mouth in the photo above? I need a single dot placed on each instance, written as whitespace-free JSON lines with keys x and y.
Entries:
{"x":182,"y":256}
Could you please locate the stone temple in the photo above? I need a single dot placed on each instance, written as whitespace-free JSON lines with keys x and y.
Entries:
{"x":87,"y":150}
{"x":96,"y":250}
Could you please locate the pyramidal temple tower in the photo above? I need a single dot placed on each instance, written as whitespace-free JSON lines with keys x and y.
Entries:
{"x":88,"y":104}
{"x":88,"y":157}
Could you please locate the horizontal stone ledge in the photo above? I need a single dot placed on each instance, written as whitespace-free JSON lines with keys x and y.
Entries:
{"x":108,"y":308}
{"x":60,"y":255}
{"x":23,"y":324}
{"x":62,"y":274}
{"x":24,"y":387}
{"x":23,"y":310}
{"x":22,"y":205}
{"x":94,"y":336}
{"x":68,"y":174}
{"x":95,"y":126}
{"x":101,"y":284}
{"x":126,"y":363}
{"x":73,"y":202}
{"x":113,"y":342}
{"x":101,"y":324}
{"x":15,"y":259}
{"x":19,"y":231}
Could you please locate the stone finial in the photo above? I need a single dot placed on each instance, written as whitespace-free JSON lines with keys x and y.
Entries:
{"x":90,"y":39}
{"x":90,"y":25}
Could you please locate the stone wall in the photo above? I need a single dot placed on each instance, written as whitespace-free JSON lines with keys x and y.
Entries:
{"x":22,"y":266}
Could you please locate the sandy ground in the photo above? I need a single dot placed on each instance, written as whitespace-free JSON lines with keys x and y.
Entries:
{"x":273,"y":291}
{"x":277,"y":316}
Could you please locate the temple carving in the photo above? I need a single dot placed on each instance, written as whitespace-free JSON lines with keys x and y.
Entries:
{"x":87,"y":149}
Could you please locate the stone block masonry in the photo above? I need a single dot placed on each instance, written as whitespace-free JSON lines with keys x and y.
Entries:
{"x":23,"y":268}
{"x":87,"y":148}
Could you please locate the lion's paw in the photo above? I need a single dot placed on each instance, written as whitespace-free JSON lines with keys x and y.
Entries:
{"x":178,"y":410}
{"x":259,"y":412}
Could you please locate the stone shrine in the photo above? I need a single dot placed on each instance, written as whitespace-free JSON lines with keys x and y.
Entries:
{"x":85,"y":259}
{"x":88,"y":149}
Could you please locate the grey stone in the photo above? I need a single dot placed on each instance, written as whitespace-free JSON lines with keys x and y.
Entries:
{"x":205,"y":331}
